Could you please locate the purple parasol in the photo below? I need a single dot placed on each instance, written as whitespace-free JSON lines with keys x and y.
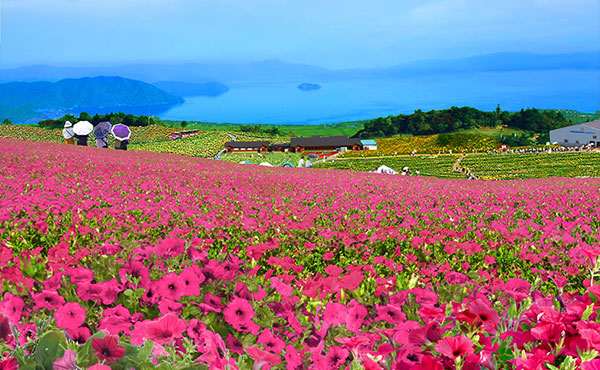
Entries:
{"x":121,"y":132}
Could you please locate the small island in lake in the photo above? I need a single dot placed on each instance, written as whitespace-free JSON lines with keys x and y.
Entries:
{"x":307,"y":87}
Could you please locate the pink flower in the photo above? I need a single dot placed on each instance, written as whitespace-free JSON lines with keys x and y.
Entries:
{"x":67,"y":362}
{"x":191,"y":280}
{"x":48,"y":300}
{"x":170,"y":248}
{"x":99,"y":367}
{"x":454,"y":347}
{"x":165,"y":329}
{"x":137,"y":270}
{"x":261,"y":357}
{"x":171,"y":286}
{"x":80,"y":334}
{"x":517,"y":288}
{"x":239,"y":314}
{"x":485,"y":314}
{"x":270,"y":341}
{"x":336,"y":357}
{"x":70,"y":316}
{"x":292,"y":358}
{"x":390,"y":314}
{"x":9,"y":364}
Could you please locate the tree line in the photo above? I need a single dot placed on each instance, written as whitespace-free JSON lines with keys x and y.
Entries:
{"x":456,"y":119}
{"x":113,"y":118}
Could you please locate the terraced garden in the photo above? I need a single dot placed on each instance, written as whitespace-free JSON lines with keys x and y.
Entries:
{"x":430,"y":166}
{"x":428,"y":144}
{"x":525,"y":166}
{"x":205,"y":144}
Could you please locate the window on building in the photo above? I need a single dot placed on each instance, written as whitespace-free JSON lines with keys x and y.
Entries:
{"x":576,"y":141}
{"x":566,"y":141}
{"x":595,"y":137}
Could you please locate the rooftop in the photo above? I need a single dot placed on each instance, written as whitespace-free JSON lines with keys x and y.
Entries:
{"x":246,"y":144}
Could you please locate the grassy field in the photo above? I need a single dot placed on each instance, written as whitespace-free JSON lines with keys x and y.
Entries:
{"x":345,"y":128}
{"x":522,"y":166}
{"x":491,"y":132}
{"x":276,"y":159}
{"x":429,"y":166}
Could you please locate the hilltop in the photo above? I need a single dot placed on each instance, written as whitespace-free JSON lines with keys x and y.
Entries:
{"x":26,"y":100}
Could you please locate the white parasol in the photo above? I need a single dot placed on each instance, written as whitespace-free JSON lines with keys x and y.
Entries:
{"x":83,"y":128}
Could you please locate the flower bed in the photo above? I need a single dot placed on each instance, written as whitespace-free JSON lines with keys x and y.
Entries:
{"x":144,"y":260}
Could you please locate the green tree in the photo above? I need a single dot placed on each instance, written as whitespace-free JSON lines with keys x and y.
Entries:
{"x":184,"y":123}
{"x":6,"y":122}
{"x":84,"y":116}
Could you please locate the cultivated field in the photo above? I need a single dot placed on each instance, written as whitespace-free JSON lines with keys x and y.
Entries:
{"x":161,"y":261}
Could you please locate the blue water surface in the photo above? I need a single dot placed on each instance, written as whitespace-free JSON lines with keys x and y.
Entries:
{"x":339,"y":101}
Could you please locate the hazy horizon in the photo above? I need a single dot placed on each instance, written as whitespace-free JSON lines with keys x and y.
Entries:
{"x":332,"y":35}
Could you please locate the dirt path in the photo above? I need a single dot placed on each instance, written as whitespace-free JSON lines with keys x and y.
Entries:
{"x":456,"y":166}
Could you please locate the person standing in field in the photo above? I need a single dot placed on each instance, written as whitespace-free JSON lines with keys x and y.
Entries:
{"x":82,"y":139}
{"x":301,"y":162}
{"x":68,"y":133}
{"x":121,"y":145}
{"x":101,"y":143}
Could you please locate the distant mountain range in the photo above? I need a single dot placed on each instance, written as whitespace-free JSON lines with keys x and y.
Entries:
{"x":192,"y":89}
{"x":20,"y":101}
{"x":278,"y":71}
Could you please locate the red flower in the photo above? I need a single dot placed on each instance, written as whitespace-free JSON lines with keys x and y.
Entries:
{"x":550,"y":332}
{"x":454,"y":347}
{"x":108,"y":348}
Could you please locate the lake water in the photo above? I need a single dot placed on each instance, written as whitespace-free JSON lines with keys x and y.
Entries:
{"x":339,"y":101}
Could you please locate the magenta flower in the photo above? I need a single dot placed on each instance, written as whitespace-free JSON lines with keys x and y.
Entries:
{"x":70,"y":316}
{"x":239,"y":314}
{"x":270,"y":341}
{"x":48,"y":300}
{"x":171,"y":286}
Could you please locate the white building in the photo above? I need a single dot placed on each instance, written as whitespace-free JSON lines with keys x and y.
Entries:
{"x":369,"y":144}
{"x":576,"y":135}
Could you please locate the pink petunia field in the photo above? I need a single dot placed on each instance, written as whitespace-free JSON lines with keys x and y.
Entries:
{"x":138,"y":260}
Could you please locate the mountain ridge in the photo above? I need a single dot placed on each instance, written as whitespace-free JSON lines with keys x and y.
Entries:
{"x":274,"y":70}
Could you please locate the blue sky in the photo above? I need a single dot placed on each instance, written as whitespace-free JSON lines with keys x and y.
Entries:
{"x":335,"y":34}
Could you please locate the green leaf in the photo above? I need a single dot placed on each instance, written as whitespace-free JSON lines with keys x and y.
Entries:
{"x":588,"y":311}
{"x":30,"y":365}
{"x":51,"y":347}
